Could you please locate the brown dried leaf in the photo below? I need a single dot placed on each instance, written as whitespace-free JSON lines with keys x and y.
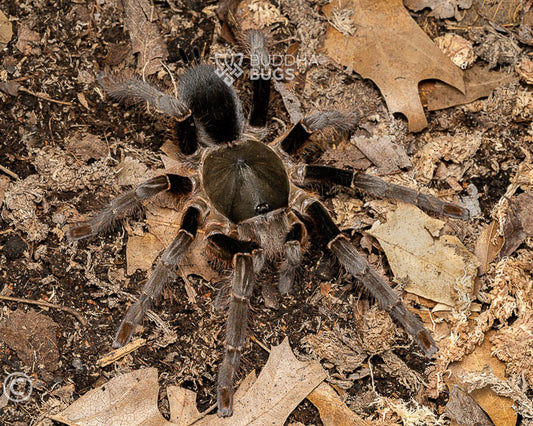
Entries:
{"x":141,"y":252}
{"x":145,"y":37}
{"x":10,"y":88}
{"x":479,"y":83}
{"x":464,"y":409}
{"x":441,"y":9}
{"x":26,"y":39}
{"x":488,"y":246}
{"x":386,"y":155}
{"x":390,"y":49}
{"x":498,"y":408}
{"x":86,"y":146}
{"x":518,"y":223}
{"x":33,"y":336}
{"x":129,"y":399}
{"x":434,"y":266}
{"x":525,"y":70}
{"x":6,"y":29}
{"x":283,"y":383}
{"x":334,"y":412}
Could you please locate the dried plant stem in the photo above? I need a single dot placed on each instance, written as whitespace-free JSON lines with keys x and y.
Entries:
{"x":71,"y":311}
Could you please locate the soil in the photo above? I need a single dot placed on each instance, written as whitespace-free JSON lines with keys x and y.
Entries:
{"x":76,"y":41}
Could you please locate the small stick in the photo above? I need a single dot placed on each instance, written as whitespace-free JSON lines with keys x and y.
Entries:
{"x":43,"y":96}
{"x":256,"y":341}
{"x":9,"y":172}
{"x":115,"y":355}
{"x":71,"y":311}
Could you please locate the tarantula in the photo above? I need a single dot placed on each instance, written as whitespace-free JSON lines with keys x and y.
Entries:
{"x":247,"y":196}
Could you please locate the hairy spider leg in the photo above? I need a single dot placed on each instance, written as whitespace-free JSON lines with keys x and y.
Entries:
{"x":164,"y":273}
{"x":136,"y":90}
{"x":292,"y":257}
{"x":130,"y":203}
{"x":380,"y":188}
{"x":260,"y":75}
{"x":237,"y":322}
{"x":300,"y":133}
{"x":356,"y":265}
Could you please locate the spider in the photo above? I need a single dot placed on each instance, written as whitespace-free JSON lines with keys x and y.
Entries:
{"x":249,"y":198}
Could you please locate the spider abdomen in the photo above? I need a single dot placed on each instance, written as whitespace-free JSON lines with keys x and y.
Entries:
{"x":245,"y":180}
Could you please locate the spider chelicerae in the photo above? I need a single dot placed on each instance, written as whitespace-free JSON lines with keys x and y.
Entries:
{"x":249,"y":198}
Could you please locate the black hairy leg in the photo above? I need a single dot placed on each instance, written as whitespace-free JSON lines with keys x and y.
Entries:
{"x":379,"y":188}
{"x":300,"y":133}
{"x":215,"y":107}
{"x":260,"y":75}
{"x":164,"y":273}
{"x":130,"y":203}
{"x":356,"y":265}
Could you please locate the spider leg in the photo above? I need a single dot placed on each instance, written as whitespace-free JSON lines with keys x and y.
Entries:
{"x":302,"y":131}
{"x":141,"y":91}
{"x":242,"y":287}
{"x":131,"y":202}
{"x":163,"y":274}
{"x":292,"y":257}
{"x":359,"y":268}
{"x":260,"y":69}
{"x":379,"y":188}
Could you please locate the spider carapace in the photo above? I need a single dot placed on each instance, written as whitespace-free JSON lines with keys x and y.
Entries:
{"x":250,"y":200}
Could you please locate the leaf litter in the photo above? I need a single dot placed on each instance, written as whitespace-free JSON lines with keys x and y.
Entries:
{"x":505,"y":291}
{"x":131,"y":399}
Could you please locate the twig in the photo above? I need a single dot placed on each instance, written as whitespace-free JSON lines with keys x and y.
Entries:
{"x":43,"y":96}
{"x":115,"y":355}
{"x":71,"y":311}
{"x":262,"y":345}
{"x":9,"y":172}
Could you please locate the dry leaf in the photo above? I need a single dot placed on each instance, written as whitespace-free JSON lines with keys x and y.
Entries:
{"x":518,"y":224}
{"x":441,"y":9}
{"x":27,"y":39}
{"x":488,"y":246}
{"x":479,"y":83}
{"x":6,"y":29}
{"x":390,"y":49}
{"x":128,"y":400}
{"x":464,"y":409}
{"x":436,"y":267}
{"x":386,"y":155}
{"x":458,"y":49}
{"x":33,"y":336}
{"x":141,"y":252}
{"x":182,"y":404}
{"x":283,"y":383}
{"x":131,"y":399}
{"x":145,"y":36}
{"x":525,"y":70}
{"x":333,"y":412}
{"x":498,"y":408}
{"x":86,"y":146}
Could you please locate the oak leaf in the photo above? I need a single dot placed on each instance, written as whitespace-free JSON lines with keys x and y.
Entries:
{"x":431,"y":265}
{"x":389,"y":48}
